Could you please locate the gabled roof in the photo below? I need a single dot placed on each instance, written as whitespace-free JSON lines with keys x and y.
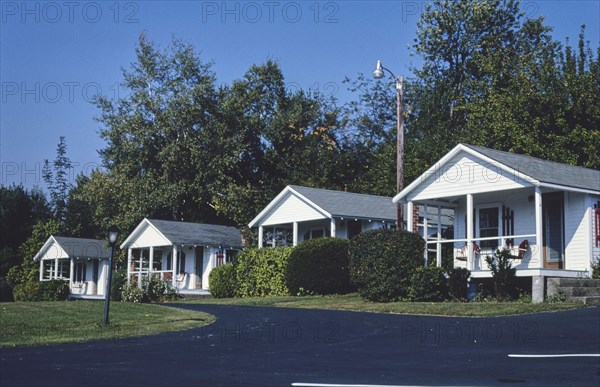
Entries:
{"x":187,"y":233}
{"x":537,"y":171}
{"x":77,"y":247}
{"x":544,"y":171}
{"x":337,"y":204}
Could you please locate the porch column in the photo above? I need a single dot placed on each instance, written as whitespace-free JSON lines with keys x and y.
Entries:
{"x":409,"y":215}
{"x":438,"y":245}
{"x":425,"y":234}
{"x":332,"y":227}
{"x":260,"y":236}
{"x":295,"y":234}
{"x":174,"y":266}
{"x":470,"y":255}
{"x":129,"y":260}
{"x":151,"y":260}
{"x":55,"y":268}
{"x":538,"y":226}
{"x":41,"y":269}
{"x":71,"y":269}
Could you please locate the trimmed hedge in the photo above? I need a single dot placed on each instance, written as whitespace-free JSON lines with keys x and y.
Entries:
{"x":428,"y":284}
{"x":261,"y":272}
{"x":222,"y":280}
{"x":319,"y":266}
{"x":54,"y":290}
{"x":383,"y":261}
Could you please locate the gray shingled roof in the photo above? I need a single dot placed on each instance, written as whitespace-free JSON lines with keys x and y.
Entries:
{"x":545,"y":171}
{"x":186,"y":233}
{"x":348,"y":204}
{"x":83,"y":247}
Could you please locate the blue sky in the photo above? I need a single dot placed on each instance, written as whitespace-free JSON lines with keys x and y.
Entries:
{"x":56,"y":55}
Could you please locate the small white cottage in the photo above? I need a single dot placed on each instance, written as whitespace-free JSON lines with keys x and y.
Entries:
{"x":181,"y":252}
{"x":83,"y":262}
{"x":546,"y":213}
{"x":300,"y":213}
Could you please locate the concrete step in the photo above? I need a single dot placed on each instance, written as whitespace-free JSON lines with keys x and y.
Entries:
{"x":591,"y":301}
{"x":574,"y":282}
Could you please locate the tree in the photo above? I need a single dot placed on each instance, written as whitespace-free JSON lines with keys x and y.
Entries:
{"x":56,"y":178}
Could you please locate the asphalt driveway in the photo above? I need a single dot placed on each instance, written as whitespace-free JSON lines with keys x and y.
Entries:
{"x":255,"y":346}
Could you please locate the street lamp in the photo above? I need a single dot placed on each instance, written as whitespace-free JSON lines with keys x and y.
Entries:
{"x":378,"y":74}
{"x":113,"y":234}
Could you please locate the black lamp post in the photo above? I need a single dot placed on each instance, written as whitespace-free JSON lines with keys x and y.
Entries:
{"x":113,"y":234}
{"x":377,"y":74}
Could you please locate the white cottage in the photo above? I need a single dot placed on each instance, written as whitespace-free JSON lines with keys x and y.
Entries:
{"x":181,"y":252}
{"x":83,"y":262}
{"x":300,"y":213}
{"x":547,"y":213}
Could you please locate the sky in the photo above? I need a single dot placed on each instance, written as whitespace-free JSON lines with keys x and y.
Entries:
{"x":55,"y":56}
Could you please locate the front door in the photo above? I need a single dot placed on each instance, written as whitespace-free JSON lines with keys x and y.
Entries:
{"x":553,"y":249}
{"x":199,"y":260}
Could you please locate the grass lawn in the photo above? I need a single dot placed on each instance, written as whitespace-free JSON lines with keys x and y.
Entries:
{"x":355,"y":303}
{"x":35,"y":323}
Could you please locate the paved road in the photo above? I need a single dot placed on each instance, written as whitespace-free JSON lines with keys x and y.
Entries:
{"x":251,"y":346}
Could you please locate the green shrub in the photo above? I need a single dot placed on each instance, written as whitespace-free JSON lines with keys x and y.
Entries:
{"x":458,"y":280}
{"x":153,"y":289}
{"x":319,"y":266}
{"x":428,"y":284}
{"x":596,"y":268}
{"x":54,"y":290}
{"x":5,"y":290}
{"x":223,"y":282}
{"x":383,"y":261}
{"x":503,"y":275}
{"x":261,"y":272}
{"x":117,"y":282}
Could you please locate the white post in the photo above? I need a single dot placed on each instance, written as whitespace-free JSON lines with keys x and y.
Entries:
{"x":151,"y":260}
{"x":174,"y":266}
{"x":71,"y":269}
{"x":409,"y":217}
{"x":538,"y":226}
{"x":332,"y":227}
{"x":55,"y":269}
{"x":470,"y":255}
{"x":426,"y":234}
{"x":129,"y":260}
{"x":295,"y":234}
{"x":438,"y":245}
{"x":260,"y":236}
{"x":41,"y":269}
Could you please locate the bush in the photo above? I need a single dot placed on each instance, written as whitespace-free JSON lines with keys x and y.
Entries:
{"x":117,"y":282}
{"x":458,"y":280}
{"x":153,"y":289}
{"x":503,"y":275}
{"x":222,"y":280}
{"x":383,"y":261}
{"x":319,"y":266}
{"x":261,"y":272}
{"x":5,"y":290}
{"x":596,"y":268}
{"x":54,"y":290}
{"x":428,"y":284}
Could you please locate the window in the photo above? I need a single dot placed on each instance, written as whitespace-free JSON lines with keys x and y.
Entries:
{"x":314,"y":233}
{"x":279,"y":236}
{"x":157,"y":260}
{"x":230,"y":255}
{"x":80,"y":271}
{"x":488,"y":227}
{"x":181,"y":262}
{"x":354,"y":228}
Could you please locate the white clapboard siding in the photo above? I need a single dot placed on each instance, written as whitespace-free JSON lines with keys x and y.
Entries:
{"x":463,"y":174}
{"x":149,"y":236}
{"x":576,"y":232}
{"x":54,"y":251}
{"x":292,"y":209}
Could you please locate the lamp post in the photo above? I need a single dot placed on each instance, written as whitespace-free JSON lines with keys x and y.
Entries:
{"x":378,"y":74}
{"x":113,"y":234}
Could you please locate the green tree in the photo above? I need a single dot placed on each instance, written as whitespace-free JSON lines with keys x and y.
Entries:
{"x":56,"y":178}
{"x":29,"y":269}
